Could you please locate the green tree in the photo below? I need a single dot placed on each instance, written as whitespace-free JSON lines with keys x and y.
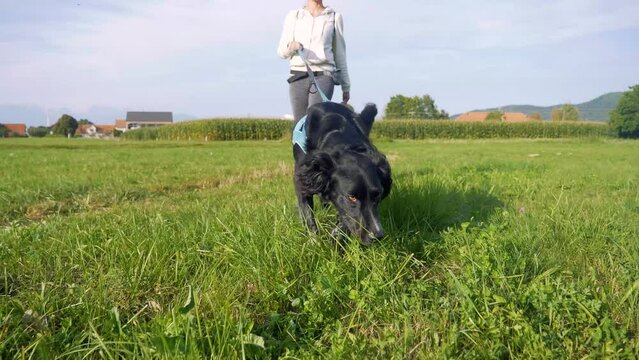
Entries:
{"x":495,"y":116}
{"x":567,"y":112}
{"x":624,"y":118}
{"x":415,"y":107}
{"x":3,"y":131}
{"x":40,"y":131}
{"x":85,"y":122}
{"x":66,"y":125}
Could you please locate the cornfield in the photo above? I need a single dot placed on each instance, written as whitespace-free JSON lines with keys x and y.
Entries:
{"x":442,"y":129}
{"x":273,"y":129}
{"x":217,"y":129}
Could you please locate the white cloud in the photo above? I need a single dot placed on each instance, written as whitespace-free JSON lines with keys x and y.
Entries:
{"x":470,"y":24}
{"x":150,"y":32}
{"x":89,"y":51}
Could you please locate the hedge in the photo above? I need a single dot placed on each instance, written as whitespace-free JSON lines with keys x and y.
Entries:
{"x":272,"y":129}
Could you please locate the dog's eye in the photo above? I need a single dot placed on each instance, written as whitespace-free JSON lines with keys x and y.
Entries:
{"x":352,"y":198}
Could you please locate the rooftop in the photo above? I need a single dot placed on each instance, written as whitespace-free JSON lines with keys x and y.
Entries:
{"x":149,"y":116}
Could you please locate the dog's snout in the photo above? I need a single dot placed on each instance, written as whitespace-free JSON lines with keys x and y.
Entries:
{"x":375,"y":228}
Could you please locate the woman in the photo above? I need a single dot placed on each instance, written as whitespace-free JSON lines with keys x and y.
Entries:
{"x":318,"y":30}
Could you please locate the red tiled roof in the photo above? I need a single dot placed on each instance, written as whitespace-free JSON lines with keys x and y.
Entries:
{"x":120,"y":123}
{"x":473,"y":116}
{"x":82,"y":129}
{"x":481,"y":116}
{"x":19,"y":129}
{"x":104,"y":129}
{"x":514,"y":117}
{"x":99,"y":129}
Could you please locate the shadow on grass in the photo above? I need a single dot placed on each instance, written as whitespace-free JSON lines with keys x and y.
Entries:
{"x":421,"y":207}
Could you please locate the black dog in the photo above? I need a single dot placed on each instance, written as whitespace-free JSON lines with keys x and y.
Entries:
{"x":342,"y":166}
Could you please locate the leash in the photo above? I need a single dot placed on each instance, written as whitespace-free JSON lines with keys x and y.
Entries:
{"x":299,"y":132}
{"x":300,"y":53}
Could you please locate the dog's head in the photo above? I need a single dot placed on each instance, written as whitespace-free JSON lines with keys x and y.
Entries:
{"x":355,"y":177}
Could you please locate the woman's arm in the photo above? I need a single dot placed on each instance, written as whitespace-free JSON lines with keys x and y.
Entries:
{"x":288,"y":34}
{"x":339,"y":51}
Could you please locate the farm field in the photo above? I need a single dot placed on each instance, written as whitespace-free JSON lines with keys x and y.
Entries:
{"x":493,"y":249}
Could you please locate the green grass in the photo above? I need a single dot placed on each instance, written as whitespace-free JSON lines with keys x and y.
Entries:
{"x":494,"y":249}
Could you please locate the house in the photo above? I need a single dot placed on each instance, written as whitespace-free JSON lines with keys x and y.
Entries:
{"x":140,"y":119}
{"x":16,"y":129}
{"x":482,"y":115}
{"x":120,"y":125}
{"x":91,"y":130}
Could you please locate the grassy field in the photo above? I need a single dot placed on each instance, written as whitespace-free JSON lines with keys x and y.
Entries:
{"x":494,"y":249}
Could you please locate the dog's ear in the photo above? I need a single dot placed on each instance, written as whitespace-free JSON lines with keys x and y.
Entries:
{"x":314,"y":173}
{"x":314,"y":119}
{"x":366,"y":118}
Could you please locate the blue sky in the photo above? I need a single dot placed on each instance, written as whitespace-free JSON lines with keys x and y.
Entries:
{"x":217,"y":58}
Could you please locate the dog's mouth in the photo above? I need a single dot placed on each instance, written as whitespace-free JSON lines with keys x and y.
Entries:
{"x":364,"y":239}
{"x":367,"y":229}
{"x":364,"y":236}
{"x":367,"y":237}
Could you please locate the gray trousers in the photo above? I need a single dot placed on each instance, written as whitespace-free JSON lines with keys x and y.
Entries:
{"x":301,"y":96}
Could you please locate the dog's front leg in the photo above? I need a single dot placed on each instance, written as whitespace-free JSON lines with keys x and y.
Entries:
{"x":305,"y":205}
{"x":325,"y":201}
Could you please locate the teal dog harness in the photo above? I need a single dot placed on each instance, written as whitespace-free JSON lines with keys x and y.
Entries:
{"x":299,"y":134}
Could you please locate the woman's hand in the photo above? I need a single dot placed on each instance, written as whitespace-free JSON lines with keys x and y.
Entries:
{"x":345,"y":97}
{"x":293,"y":46}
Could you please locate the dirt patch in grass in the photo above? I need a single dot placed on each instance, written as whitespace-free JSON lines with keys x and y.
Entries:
{"x":281,"y":169}
{"x":97,"y":201}
{"x":41,"y":210}
{"x":74,"y":204}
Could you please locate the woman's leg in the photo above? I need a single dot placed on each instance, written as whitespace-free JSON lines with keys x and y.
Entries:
{"x":301,"y":96}
{"x":298,"y":93}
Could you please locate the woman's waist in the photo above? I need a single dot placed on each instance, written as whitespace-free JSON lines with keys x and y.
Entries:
{"x":301,"y":66}
{"x":315,"y":73}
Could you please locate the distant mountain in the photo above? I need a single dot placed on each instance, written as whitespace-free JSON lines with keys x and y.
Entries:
{"x":33,"y":115}
{"x":597,"y":109}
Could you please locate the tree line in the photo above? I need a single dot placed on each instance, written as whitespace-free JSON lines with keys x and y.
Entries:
{"x":624,"y":118}
{"x":65,"y":126}
{"x":416,"y":107}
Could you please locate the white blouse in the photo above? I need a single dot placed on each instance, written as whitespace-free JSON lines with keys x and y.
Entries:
{"x":323,"y":41}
